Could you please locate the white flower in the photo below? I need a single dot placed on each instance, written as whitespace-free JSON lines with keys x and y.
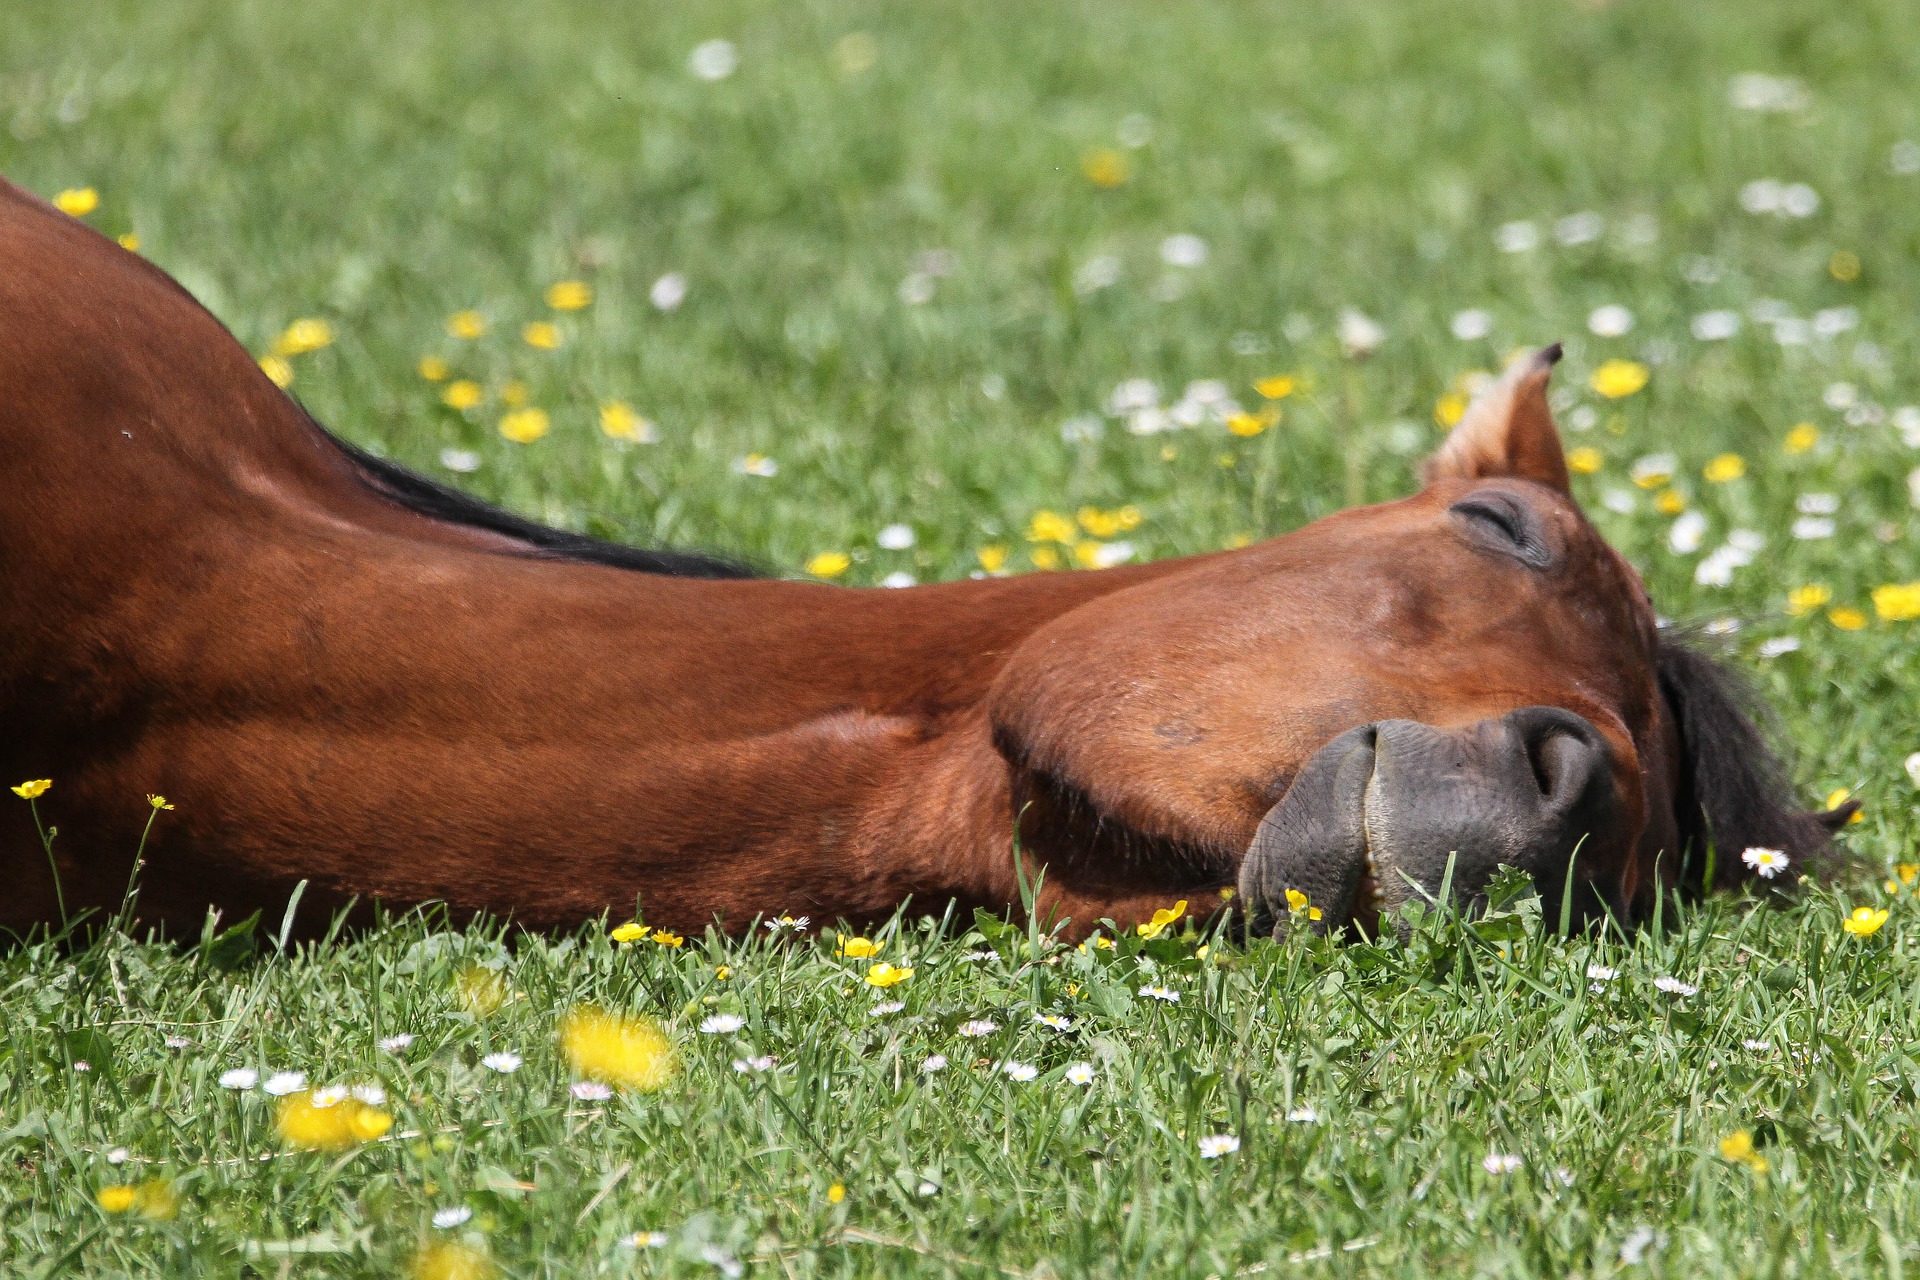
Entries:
{"x":1762,"y":195}
{"x":1812,"y":528}
{"x":1716,"y":326}
{"x":756,"y":464}
{"x":328,"y":1095}
{"x":1303,"y":1115}
{"x":895,"y":537}
{"x":1724,"y":626}
{"x":1756,"y":91}
{"x":763,"y":1062}
{"x":1766,"y":863}
{"x":899,"y":578}
{"x":1840,"y":395}
{"x":80,"y":1064}
{"x":1215,"y":1145}
{"x":1579,"y":228}
{"x":713,"y":59}
{"x":1079,"y":1073}
{"x":980,"y":957}
{"x":916,"y":289}
{"x":1758,"y":1046}
{"x":1160,"y":993}
{"x":1655,"y":468}
{"x":1633,"y":1249}
{"x":728,"y":1265}
{"x":1619,"y":501}
{"x":1601,"y":973}
{"x":1102,"y":272}
{"x":1563,"y":1175}
{"x":1183,"y":250}
{"x":1777,"y":645}
{"x":974,"y":1028}
{"x":1132,"y":395}
{"x":786,"y":924}
{"x":1501,"y":1162}
{"x":1109,"y":554}
{"x":460,"y":460}
{"x":282,"y":1083}
{"x":1360,"y":335}
{"x":1904,"y":159}
{"x":590,"y":1090}
{"x":645,"y":1240}
{"x":394,"y":1044}
{"x":721,"y":1024}
{"x":1913,"y":768}
{"x":447,"y":1219}
{"x":239,"y":1078}
{"x":1913,"y":487}
{"x":1019,"y":1070}
{"x":886,"y":1007}
{"x":927,"y":1187}
{"x":119,"y":1155}
{"x":1831,"y":322}
{"x":668,"y":292}
{"x":935,"y":1063}
{"x":1687,"y":533}
{"x":1057,"y":1021}
{"x":1906,"y":420}
{"x":1799,"y":201}
{"x":1674,"y":987}
{"x":179,"y":1042}
{"x":1084,"y":429}
{"x":1472,"y":324}
{"x":1517,"y":237}
{"x":1610,"y":321}
{"x":506,"y":1062}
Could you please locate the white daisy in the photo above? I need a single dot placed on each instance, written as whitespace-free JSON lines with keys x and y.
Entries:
{"x":449,"y":1218}
{"x":1472,"y":324}
{"x":1304,"y":1115}
{"x":935,"y":1063}
{"x":119,"y":1155}
{"x":1053,"y":1020}
{"x":1360,"y":334}
{"x":1601,"y":973}
{"x":239,"y":1078}
{"x":1757,"y":1046}
{"x":1766,"y":863}
{"x":1183,"y":250}
{"x":895,"y":537}
{"x":328,"y":1096}
{"x":1674,"y":987}
{"x":1215,"y":1145}
{"x":974,"y":1028}
{"x":713,"y":59}
{"x":1716,"y":326}
{"x":1079,"y":1073}
{"x":1019,"y":1070}
{"x":1610,"y":321}
{"x":645,"y":1240}
{"x":899,"y":578}
{"x":282,"y":1083}
{"x":179,"y":1042}
{"x":506,"y":1062}
{"x":1517,"y":237}
{"x":668,"y":292}
{"x":1160,"y":993}
{"x":1777,"y":645}
{"x":763,"y":1062}
{"x":1579,"y":228}
{"x":590,"y":1090}
{"x":886,"y":1007}
{"x":721,"y":1024}
{"x":372,"y":1094}
{"x":1500,"y":1162}
{"x":394,"y":1044}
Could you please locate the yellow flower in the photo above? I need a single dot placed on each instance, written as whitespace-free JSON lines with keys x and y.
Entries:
{"x":1585,"y":460}
{"x":1847,"y":618}
{"x":1104,"y":167}
{"x":513,"y":394}
{"x":1277,"y":387}
{"x":1737,"y":1147}
{"x":158,"y":802}
{"x":631,"y":931}
{"x":885,"y":975}
{"x":1839,"y":796}
{"x":993,"y":558}
{"x":1246,"y":424}
{"x":1897,"y":602}
{"x":77,"y":202}
{"x":466,"y":324}
{"x":615,"y":1049}
{"x":1844,"y":266}
{"x":1161,"y":919}
{"x":334,"y":1126}
{"x":480,"y":990}
{"x":1048,"y":526}
{"x":721,"y":972}
{"x":1725,"y":467}
{"x":829,"y":564}
{"x":1044,"y":558}
{"x":463,"y":394}
{"x":1450,"y":408}
{"x":303,"y":336}
{"x":619,"y":421}
{"x":1226,"y":893}
{"x":33,"y":789}
{"x":1297,"y":901}
{"x":860,"y":948}
{"x":1865,"y":921}
{"x":1670,"y":502}
{"x":1802,"y":438}
{"x":433,"y":368}
{"x":836,"y":1193}
{"x":115,"y":1199}
{"x":543,"y":334}
{"x":156,"y":1200}
{"x":1802,"y":601}
{"x":1906,"y":871}
{"x":1101,"y":524}
{"x":452,"y":1260}
{"x":278,"y":371}
{"x":1618,"y":378}
{"x":524,"y":426}
{"x":666,"y":939}
{"x":130,"y":242}
{"x":569,"y":295}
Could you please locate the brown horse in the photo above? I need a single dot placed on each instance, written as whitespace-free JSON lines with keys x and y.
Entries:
{"x":347,"y":674}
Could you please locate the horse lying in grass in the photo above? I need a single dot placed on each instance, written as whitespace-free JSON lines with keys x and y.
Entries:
{"x":350,"y":675}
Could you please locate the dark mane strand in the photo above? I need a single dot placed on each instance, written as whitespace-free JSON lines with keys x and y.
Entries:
{"x":1734,"y":791}
{"x":437,"y":501}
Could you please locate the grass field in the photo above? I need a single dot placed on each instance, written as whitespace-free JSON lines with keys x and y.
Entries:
{"x":875,"y":265}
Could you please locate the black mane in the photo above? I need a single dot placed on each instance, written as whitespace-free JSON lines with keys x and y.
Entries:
{"x":437,"y":501}
{"x":1734,"y":791}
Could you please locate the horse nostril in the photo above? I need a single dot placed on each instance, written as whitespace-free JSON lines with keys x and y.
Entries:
{"x":1562,"y":750}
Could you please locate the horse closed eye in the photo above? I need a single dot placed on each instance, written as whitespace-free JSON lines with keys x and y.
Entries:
{"x":1505,"y":526}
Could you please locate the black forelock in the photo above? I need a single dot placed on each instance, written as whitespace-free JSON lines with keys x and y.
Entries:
{"x":438,"y":501}
{"x":1734,"y":792}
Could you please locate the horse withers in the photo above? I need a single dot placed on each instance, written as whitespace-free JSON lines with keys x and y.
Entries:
{"x":347,"y":674}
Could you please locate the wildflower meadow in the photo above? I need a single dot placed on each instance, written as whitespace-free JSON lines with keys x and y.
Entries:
{"x":884,"y":294}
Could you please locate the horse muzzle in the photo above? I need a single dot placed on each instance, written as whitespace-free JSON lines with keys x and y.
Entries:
{"x":1376,"y":816}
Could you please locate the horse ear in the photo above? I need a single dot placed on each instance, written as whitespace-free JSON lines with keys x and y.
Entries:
{"x":1508,"y":430}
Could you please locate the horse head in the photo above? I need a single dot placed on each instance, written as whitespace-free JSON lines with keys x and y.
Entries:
{"x":1400,"y":697}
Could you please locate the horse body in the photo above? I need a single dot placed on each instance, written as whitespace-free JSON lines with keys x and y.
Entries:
{"x":206,"y":596}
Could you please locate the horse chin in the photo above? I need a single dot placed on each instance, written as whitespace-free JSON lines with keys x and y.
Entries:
{"x":1316,"y":841}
